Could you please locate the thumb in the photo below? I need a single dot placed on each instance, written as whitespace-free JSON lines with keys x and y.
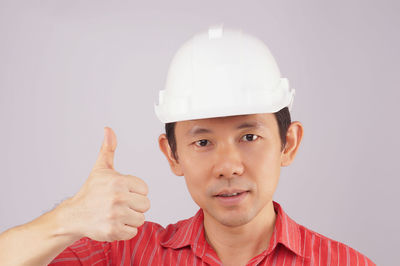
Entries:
{"x":107,"y":150}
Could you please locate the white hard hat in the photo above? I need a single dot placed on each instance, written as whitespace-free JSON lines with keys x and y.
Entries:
{"x":222,"y":72}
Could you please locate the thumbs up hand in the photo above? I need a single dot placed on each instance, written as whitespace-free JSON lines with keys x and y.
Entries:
{"x":110,"y":205}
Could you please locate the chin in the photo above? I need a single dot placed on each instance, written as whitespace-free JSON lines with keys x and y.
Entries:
{"x":234,"y":219}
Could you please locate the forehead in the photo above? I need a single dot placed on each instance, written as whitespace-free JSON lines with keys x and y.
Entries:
{"x":197,"y":126}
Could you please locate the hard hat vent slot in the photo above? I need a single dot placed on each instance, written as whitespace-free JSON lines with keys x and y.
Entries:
{"x":215,"y":32}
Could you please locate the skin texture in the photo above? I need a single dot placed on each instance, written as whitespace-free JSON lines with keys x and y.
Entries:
{"x":246,"y":159}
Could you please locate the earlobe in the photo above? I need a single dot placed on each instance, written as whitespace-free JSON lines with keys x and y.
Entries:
{"x":285,"y":159}
{"x":293,"y":140}
{"x":166,"y":149}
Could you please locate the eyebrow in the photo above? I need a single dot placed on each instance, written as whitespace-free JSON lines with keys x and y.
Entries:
{"x":199,"y":130}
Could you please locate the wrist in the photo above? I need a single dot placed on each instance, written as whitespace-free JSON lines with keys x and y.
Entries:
{"x":65,"y":222}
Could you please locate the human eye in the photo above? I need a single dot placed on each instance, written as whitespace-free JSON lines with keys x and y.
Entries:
{"x":250,"y":137}
{"x":201,"y":142}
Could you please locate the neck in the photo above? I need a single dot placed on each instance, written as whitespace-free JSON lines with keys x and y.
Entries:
{"x":237,"y":245}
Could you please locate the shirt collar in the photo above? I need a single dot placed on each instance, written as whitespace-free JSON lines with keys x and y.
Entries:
{"x":184,"y":233}
{"x":191,"y":232}
{"x":286,"y":232}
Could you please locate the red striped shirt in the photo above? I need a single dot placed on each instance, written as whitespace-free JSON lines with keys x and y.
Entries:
{"x":184,"y":243}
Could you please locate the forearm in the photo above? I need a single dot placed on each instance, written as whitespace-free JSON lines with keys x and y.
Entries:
{"x":39,"y":241}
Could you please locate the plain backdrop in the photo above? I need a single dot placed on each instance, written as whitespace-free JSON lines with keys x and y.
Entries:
{"x":69,"y":68}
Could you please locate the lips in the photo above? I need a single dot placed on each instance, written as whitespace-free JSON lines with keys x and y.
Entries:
{"x":231,"y":198}
{"x":230,"y":193}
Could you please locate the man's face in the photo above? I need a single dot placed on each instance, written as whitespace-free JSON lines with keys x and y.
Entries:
{"x":221,"y":156}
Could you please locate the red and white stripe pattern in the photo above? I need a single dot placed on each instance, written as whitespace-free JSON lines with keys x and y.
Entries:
{"x":184,"y":243}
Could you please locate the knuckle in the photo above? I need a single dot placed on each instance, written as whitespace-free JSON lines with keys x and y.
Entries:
{"x":116,"y":232}
{"x":147,"y":204}
{"x":111,"y":233}
{"x":141,"y":219}
{"x":131,"y":233}
{"x":120,"y":235}
{"x":145,"y":188}
{"x":112,"y":216}
{"x":126,"y":234}
{"x":140,"y":184}
{"x":134,"y":231}
{"x":116,"y":182}
{"x":142,"y":188}
{"x":117,"y":199}
{"x":132,"y":177}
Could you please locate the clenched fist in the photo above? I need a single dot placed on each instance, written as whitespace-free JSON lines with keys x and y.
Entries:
{"x":110,"y":205}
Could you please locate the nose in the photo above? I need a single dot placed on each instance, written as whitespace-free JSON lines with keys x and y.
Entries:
{"x":228,"y":161}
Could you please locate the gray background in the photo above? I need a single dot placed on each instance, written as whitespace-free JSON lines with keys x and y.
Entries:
{"x":69,"y":68}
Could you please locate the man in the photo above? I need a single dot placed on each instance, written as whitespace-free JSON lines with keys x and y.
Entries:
{"x":228,"y":132}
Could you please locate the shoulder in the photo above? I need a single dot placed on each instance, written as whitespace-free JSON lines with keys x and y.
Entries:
{"x":147,"y":233}
{"x":150,"y":242}
{"x":158,"y":231}
{"x":151,"y":233}
{"x":150,"y":236}
{"x":321,"y":249}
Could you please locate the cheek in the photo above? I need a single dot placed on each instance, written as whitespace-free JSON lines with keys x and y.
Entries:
{"x":263,"y":164}
{"x":194,"y":163}
{"x":195,"y":186}
{"x":265,"y":153}
{"x":195,"y":171}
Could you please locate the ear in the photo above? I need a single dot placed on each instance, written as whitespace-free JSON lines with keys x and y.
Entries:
{"x":166,"y":149}
{"x":293,"y":139}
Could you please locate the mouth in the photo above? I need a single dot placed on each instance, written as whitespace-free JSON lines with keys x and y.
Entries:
{"x":230,"y":194}
{"x":231,"y":198}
